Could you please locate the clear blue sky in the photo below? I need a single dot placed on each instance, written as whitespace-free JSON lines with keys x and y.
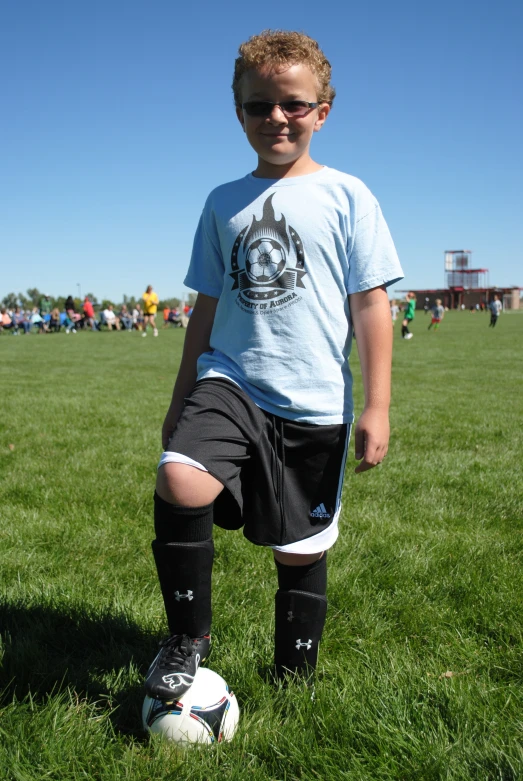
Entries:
{"x":117,"y":120}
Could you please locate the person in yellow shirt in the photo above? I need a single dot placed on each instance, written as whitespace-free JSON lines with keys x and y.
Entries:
{"x":150,"y":307}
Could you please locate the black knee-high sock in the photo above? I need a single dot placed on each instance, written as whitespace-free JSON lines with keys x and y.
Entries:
{"x":183,"y":552}
{"x":301,"y":608}
{"x":404,"y":330}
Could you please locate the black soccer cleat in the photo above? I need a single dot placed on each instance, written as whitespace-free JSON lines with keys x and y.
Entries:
{"x":172,"y":672}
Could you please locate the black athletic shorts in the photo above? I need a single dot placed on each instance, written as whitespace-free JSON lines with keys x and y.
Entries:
{"x":282,"y":479}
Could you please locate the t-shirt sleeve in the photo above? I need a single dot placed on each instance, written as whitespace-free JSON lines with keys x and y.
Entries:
{"x":206,"y":269}
{"x":373,"y":260}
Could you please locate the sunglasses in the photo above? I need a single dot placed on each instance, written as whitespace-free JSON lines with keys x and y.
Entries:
{"x":291,"y":108}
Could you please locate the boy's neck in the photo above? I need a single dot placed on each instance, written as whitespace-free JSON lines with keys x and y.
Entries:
{"x":299,"y":167}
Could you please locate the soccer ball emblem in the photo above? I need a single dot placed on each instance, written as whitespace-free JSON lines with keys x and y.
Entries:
{"x":265,"y":261}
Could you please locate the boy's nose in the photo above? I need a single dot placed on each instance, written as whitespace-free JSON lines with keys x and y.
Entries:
{"x":277,"y":114}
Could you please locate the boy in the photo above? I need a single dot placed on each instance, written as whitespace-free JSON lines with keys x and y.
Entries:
{"x":150,"y":307}
{"x":495,"y":310}
{"x":285,"y":261}
{"x":438,"y":313}
{"x":410,"y":311}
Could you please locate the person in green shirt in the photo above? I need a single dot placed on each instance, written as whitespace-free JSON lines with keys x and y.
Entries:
{"x":45,"y":305}
{"x":409,"y":315}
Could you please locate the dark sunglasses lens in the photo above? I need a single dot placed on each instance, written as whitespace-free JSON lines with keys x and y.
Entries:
{"x":263,"y":108}
{"x":258,"y":108}
{"x":295,"y":108}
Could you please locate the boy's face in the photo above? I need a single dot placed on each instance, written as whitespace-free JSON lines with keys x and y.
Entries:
{"x":279,"y":140}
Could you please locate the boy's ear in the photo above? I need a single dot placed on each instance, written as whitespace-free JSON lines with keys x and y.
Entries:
{"x":323,"y":113}
{"x":241,"y":118}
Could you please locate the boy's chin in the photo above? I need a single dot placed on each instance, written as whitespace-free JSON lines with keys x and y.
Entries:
{"x":284,"y":160}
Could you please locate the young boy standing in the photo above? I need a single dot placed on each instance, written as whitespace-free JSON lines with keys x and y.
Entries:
{"x":286,"y":262}
{"x":438,"y":313}
{"x":410,"y":312}
{"x":496,"y":308}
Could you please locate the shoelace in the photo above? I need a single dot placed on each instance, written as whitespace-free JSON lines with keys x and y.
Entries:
{"x":178,"y":649}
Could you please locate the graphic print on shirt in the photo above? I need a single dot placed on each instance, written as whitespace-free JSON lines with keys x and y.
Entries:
{"x":267,"y":263}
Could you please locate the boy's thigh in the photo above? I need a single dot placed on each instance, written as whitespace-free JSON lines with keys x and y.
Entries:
{"x":217,"y":431}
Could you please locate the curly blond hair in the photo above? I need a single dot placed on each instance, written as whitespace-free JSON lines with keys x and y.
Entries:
{"x":275,"y":48}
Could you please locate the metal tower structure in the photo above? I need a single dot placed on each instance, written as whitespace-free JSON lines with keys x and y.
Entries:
{"x":459,"y":274}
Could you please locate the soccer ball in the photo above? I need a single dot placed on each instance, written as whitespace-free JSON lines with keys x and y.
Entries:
{"x":265,"y":261}
{"x":207,"y":713}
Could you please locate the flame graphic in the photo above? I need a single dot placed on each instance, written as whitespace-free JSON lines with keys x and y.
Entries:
{"x":268,"y":226}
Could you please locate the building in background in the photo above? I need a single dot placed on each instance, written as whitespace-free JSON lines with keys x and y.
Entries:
{"x":466,"y":286}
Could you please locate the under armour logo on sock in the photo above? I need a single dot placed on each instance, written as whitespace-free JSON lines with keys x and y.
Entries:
{"x":179,"y":596}
{"x":307,"y":645}
{"x":290,"y":615}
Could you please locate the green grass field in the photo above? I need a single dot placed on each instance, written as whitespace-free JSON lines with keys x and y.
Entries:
{"x":421,"y":665}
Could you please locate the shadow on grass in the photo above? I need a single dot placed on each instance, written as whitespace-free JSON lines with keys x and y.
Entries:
{"x":100,"y":656}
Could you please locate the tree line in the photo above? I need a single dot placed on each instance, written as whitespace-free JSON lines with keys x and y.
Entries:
{"x":34,"y":296}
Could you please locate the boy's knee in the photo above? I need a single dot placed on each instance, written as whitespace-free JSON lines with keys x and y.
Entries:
{"x":296,"y":559}
{"x":186,"y":486}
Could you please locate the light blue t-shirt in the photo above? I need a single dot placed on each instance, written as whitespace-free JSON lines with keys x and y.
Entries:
{"x":282,"y":256}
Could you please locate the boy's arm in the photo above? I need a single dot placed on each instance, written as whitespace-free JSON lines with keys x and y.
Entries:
{"x":373,"y":328}
{"x":197,"y":341}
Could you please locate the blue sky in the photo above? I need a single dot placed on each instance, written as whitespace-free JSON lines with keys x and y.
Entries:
{"x":117,"y":120}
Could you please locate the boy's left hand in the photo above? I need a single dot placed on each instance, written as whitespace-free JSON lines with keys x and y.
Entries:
{"x":371,"y":438}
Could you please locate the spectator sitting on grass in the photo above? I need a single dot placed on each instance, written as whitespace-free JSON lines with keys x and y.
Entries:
{"x":138,"y":317}
{"x":55,"y":323}
{"x":20,"y":321}
{"x":89,"y":314}
{"x":109,"y":316}
{"x":174,"y":317}
{"x":37,"y":319}
{"x":125,"y":318}
{"x":72,"y":316}
{"x":5,"y":320}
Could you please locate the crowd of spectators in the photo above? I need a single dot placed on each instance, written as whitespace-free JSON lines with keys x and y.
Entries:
{"x":46,"y":318}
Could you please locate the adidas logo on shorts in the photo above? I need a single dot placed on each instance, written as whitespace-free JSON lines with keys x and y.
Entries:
{"x":320,"y":512}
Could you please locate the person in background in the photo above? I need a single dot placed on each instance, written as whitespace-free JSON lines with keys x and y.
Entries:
{"x":18,"y":321}
{"x":140,"y":318}
{"x":150,"y":307}
{"x":110,"y":318}
{"x":54,"y":322}
{"x":89,"y":314}
{"x":72,"y":317}
{"x":38,"y":320}
{"x":438,"y":313}
{"x":6,"y":322}
{"x":26,"y":321}
{"x":125,"y":318}
{"x":496,"y":307}
{"x":394,"y":310}
{"x":135,"y":316}
{"x":45,"y":305}
{"x":408,"y":317}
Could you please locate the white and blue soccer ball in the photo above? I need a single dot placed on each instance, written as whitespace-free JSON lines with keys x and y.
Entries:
{"x":207,"y":713}
{"x":265,"y":261}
